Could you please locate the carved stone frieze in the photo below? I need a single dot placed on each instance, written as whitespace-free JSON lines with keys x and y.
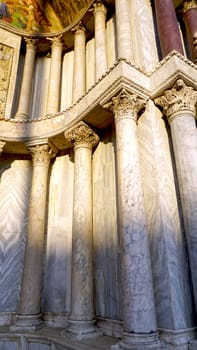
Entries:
{"x":180,"y":98}
{"x":6,"y":54}
{"x":126,"y":104}
{"x":41,"y":154}
{"x":82,"y":134}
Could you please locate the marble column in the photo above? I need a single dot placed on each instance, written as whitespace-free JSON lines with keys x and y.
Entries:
{"x":2,"y":144}
{"x":168,"y":29}
{"x":123,"y":29}
{"x":29,"y":317}
{"x":81,"y":319}
{"x":79,"y":73}
{"x":26,"y":86}
{"x":178,"y":105}
{"x":190,"y":18}
{"x":53,"y":98}
{"x":100,"y":38}
{"x":139,"y":320}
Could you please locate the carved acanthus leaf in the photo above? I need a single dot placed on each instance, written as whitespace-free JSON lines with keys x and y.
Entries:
{"x":41,"y":154}
{"x":126,"y":104}
{"x":180,"y":98}
{"x":189,"y":5}
{"x":82,"y":134}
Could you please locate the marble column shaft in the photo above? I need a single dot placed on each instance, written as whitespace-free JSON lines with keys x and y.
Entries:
{"x":100,"y":39}
{"x":26,"y":87}
{"x":190,"y":17}
{"x":123,"y":28}
{"x":168,"y":29}
{"x":138,"y":298}
{"x":79,"y":73}
{"x":179,"y":106}
{"x":82,"y":311}
{"x":32,"y":274}
{"x":53,"y":99}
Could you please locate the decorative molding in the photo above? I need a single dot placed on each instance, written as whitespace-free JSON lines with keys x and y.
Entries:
{"x":180,"y":98}
{"x":82,"y":134}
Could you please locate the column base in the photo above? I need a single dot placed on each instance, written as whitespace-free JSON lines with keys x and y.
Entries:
{"x":138,"y":341}
{"x":178,"y":339}
{"x":82,"y":329}
{"x":27,"y":323}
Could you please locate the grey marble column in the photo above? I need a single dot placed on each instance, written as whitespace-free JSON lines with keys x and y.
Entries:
{"x":100,"y":38}
{"x":53,"y":98}
{"x":79,"y":73}
{"x":26,"y":87}
{"x":139,"y":320}
{"x":81,"y":319}
{"x":179,"y":106}
{"x":29,"y":317}
{"x":123,"y":28}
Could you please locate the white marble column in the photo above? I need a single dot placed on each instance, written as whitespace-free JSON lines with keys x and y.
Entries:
{"x":139,"y":320}
{"x":81,"y":319}
{"x":2,"y":144}
{"x":179,"y":106}
{"x":26,"y":86}
{"x":100,"y":39}
{"x":29,"y":317}
{"x":79,"y":74}
{"x":123,"y":29}
{"x":53,"y":98}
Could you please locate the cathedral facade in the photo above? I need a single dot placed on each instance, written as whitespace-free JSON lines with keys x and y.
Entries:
{"x":98,"y":169}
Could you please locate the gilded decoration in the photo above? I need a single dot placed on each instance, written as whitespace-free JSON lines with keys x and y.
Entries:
{"x":6,"y":54}
{"x":37,"y":16}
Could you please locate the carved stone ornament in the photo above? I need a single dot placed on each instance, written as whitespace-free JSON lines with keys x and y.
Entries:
{"x":41,"y":154}
{"x":2,"y":144}
{"x":31,"y":43}
{"x":78,"y":28}
{"x":56,"y":41}
{"x":99,"y":7}
{"x":82,"y":134}
{"x":126,"y":104}
{"x":189,"y":5}
{"x":180,"y":98}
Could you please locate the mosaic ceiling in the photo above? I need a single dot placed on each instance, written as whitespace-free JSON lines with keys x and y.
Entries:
{"x":37,"y":16}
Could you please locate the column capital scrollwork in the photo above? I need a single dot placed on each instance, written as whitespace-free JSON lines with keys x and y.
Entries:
{"x":78,"y":28}
{"x":41,"y":154}
{"x":99,"y":7}
{"x":56,"y":41}
{"x":31,"y":43}
{"x":189,"y":5}
{"x":179,"y":98}
{"x":126,"y":105}
{"x":82,"y":134}
{"x":2,"y":144}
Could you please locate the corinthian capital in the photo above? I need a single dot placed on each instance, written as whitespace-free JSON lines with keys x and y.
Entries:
{"x":126,"y":105}
{"x":82,"y":134}
{"x":41,"y":154}
{"x":99,"y":7}
{"x":56,"y":41}
{"x":31,"y":43}
{"x":189,"y":5}
{"x":180,"y":98}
